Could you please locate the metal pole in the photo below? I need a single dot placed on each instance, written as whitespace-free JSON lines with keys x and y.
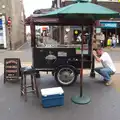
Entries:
{"x":82,"y":98}
{"x":10,"y":39}
{"x":92,"y":73}
{"x":81,"y":70}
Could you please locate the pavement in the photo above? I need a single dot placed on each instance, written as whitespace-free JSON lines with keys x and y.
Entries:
{"x":112,"y":49}
{"x":104,"y":105}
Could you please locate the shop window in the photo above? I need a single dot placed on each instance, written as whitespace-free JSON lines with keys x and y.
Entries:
{"x":1,"y":32}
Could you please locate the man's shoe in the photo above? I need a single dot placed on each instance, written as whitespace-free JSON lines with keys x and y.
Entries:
{"x":108,"y":83}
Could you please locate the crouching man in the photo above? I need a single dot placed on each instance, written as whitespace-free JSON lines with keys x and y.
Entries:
{"x":108,"y":68}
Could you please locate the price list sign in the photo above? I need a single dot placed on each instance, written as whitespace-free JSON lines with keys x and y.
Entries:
{"x":11,"y":69}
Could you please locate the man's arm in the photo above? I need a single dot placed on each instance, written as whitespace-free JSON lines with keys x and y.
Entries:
{"x":96,"y":57}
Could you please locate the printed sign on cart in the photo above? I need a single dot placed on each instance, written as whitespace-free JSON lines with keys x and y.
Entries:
{"x":62,"y":54}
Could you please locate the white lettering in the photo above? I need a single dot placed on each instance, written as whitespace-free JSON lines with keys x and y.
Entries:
{"x":110,"y":25}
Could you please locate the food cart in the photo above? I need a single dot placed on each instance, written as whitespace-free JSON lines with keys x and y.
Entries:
{"x":66,"y":55}
{"x":61,"y":58}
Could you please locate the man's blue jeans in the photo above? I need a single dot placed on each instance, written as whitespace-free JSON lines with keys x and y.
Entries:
{"x":105,"y":72}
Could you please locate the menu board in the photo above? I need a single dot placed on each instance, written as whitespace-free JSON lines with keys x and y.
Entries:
{"x":11,"y":69}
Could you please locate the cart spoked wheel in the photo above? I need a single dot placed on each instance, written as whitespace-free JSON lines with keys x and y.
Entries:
{"x":65,"y":76}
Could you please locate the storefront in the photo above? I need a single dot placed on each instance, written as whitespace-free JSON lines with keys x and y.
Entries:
{"x":109,"y":28}
{"x":2,"y":32}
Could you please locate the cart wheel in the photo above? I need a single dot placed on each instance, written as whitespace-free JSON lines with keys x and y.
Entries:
{"x":65,"y":76}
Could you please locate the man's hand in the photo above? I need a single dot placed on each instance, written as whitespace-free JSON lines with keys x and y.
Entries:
{"x":96,"y":57}
{"x":94,"y":53}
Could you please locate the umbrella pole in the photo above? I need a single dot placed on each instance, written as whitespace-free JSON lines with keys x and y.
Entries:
{"x":81,"y":70}
{"x":81,"y":99}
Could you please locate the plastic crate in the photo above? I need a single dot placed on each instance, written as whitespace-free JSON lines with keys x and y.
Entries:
{"x":52,"y":97}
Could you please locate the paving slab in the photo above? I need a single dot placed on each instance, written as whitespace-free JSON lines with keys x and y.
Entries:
{"x":104,"y":105}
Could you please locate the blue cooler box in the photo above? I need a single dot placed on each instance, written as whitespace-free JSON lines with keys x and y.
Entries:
{"x":52,"y":97}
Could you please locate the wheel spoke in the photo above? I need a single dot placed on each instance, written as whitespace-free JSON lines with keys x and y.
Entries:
{"x":66,"y":75}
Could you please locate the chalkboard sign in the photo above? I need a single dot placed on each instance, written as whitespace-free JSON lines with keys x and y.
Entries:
{"x":11,"y":69}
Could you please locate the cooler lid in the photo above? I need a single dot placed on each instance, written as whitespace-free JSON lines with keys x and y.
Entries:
{"x":52,"y":91}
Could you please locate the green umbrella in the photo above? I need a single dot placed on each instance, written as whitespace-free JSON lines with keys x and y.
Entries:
{"x":83,"y":9}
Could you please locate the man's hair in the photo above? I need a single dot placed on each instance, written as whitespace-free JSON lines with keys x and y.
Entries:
{"x":99,"y":48}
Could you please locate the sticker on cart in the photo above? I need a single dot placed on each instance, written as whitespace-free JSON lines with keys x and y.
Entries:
{"x":85,"y":52}
{"x":77,"y":50}
{"x":62,"y":54}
